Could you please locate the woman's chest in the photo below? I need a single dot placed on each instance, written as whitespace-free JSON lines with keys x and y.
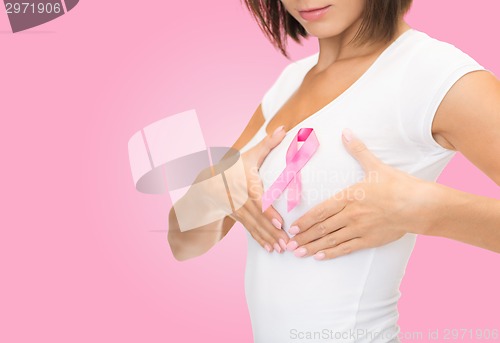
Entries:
{"x":331,"y":168}
{"x":317,"y":91}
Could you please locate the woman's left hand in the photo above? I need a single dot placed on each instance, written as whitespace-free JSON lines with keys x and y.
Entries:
{"x":380,"y":209}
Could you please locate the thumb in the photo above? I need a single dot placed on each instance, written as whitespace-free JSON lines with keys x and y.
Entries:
{"x":359,"y":151}
{"x":268,"y":143}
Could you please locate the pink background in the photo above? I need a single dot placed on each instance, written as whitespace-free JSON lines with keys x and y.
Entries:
{"x":84,"y":256}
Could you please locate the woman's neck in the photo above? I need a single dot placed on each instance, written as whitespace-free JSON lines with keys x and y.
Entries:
{"x":336,"y":48}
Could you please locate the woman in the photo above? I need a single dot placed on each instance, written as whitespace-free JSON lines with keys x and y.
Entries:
{"x":389,"y":106}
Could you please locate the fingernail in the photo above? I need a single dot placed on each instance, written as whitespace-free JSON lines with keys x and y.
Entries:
{"x":347,"y":133}
{"x":292,"y":245}
{"x":277,"y":247}
{"x":300,"y":252}
{"x":319,"y":255}
{"x":294,"y":230}
{"x":282,"y":243}
{"x":268,"y":248}
{"x":278,"y":129}
{"x":276,"y":223}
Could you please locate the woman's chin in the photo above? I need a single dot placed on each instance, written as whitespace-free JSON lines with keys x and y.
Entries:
{"x":321,"y":32}
{"x":319,"y":35}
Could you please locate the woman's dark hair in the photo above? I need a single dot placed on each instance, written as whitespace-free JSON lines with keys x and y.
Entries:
{"x":379,"y":21}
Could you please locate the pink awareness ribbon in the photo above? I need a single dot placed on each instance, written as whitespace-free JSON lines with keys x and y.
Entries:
{"x":290,"y":176}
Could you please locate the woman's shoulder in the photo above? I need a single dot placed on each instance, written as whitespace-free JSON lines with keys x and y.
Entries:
{"x":430,"y":71}
{"x":296,"y":67}
{"x":287,"y":80}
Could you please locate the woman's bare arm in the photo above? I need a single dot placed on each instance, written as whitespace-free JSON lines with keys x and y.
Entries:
{"x":394,"y":202}
{"x":468,"y":120}
{"x":195,"y":242}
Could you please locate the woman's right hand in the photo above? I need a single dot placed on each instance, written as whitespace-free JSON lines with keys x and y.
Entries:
{"x":265,"y":228}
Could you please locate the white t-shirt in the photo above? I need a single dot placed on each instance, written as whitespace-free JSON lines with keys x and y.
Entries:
{"x":352,"y":298}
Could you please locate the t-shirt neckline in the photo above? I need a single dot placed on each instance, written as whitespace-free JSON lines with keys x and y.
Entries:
{"x":314,"y":58}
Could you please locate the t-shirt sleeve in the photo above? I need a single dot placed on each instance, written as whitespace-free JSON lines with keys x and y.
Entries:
{"x":432,"y":72}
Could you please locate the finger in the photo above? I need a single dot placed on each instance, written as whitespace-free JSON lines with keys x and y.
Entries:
{"x":321,"y":212}
{"x":268,"y":143}
{"x":274,"y":217}
{"x":251,"y":224}
{"x":341,"y":249}
{"x":322,"y":229}
{"x":267,"y":230}
{"x":329,"y":241}
{"x":359,"y":151}
{"x":270,"y":234}
{"x":277,"y":221}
